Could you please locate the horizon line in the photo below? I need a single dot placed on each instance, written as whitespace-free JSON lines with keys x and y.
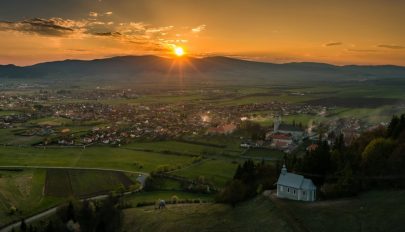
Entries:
{"x":204,"y":57}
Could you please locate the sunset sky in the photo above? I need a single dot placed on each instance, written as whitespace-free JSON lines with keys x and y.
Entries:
{"x":333,"y":31}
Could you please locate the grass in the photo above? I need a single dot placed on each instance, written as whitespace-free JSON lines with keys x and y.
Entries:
{"x":259,"y":214}
{"x":23,"y":190}
{"x":8,"y":112}
{"x":173,"y":146}
{"x":51,"y":121}
{"x":9,"y":136}
{"x":155,"y":196}
{"x":216,"y":171}
{"x":264,"y":153}
{"x":372,"y":211}
{"x":93,"y":157}
{"x":83,"y":183}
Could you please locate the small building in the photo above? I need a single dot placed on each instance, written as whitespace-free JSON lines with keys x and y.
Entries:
{"x":295,"y":187}
{"x":281,"y":141}
{"x":297,"y":132}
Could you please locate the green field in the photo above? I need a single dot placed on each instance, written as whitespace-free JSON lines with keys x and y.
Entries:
{"x":256,"y":215}
{"x":83,"y":183}
{"x":9,"y":136}
{"x":93,"y":157}
{"x":23,"y":191}
{"x":217,"y":172}
{"x":172,"y":146}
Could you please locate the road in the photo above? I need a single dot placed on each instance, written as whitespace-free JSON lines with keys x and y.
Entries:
{"x":141,"y":179}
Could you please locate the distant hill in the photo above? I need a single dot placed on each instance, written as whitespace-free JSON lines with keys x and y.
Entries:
{"x":209,"y":68}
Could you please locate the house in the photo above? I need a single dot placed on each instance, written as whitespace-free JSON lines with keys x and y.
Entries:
{"x":281,"y":141}
{"x":295,"y":187}
{"x":296,"y":131}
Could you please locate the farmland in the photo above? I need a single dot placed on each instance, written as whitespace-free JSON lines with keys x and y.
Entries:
{"x":83,"y":183}
{"x":163,"y":130}
{"x":21,"y":194}
{"x":93,"y":157}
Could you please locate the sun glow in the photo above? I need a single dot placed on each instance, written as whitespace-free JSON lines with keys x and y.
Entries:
{"x":178,"y":51}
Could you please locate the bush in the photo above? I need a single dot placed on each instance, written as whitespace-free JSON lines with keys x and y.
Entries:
{"x":175,"y":199}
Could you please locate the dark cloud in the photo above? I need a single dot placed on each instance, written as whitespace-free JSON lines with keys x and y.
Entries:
{"x":108,"y":34}
{"x":390,"y":46}
{"x":47,"y":27}
{"x":333,"y":44}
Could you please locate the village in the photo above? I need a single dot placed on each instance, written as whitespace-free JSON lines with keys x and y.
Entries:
{"x":116,"y":124}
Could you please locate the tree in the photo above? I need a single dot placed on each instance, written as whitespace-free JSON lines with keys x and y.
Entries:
{"x":235,"y":192}
{"x":375,"y":156}
{"x":49,"y":227}
{"x":70,"y":213}
{"x":23,"y":226}
{"x":86,"y":216}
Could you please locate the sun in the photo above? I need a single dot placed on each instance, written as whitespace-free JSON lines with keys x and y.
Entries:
{"x":179,"y":51}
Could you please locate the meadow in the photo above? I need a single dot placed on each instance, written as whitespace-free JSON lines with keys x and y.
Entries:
{"x":92,"y":157}
{"x":256,"y":215}
{"x":21,"y":194}
{"x":84,"y":183}
{"x":371,"y":211}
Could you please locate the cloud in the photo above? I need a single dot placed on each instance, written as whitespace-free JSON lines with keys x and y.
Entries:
{"x":333,"y":44}
{"x":390,"y":46}
{"x":199,"y":28}
{"x":140,"y":34}
{"x":108,"y":34}
{"x":138,"y":26}
{"x":46,"y":27}
{"x":154,"y":30}
{"x":93,"y":14}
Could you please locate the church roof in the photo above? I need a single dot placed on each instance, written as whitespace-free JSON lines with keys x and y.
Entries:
{"x":295,"y":181}
{"x":290,"y":179}
{"x":307,"y":184}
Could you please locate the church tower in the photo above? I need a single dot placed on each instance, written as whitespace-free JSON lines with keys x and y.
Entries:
{"x":284,"y":170}
{"x":277,"y":122}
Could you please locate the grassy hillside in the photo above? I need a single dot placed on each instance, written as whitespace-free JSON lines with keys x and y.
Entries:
{"x":22,"y":190}
{"x":256,"y":215}
{"x":372,"y":211}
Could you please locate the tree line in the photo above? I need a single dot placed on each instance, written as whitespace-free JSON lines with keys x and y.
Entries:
{"x":85,"y":216}
{"x":375,"y":160}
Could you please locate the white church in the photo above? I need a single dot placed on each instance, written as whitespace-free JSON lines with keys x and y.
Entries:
{"x":295,"y":187}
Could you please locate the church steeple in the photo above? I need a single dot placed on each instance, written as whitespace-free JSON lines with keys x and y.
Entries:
{"x":277,"y":122}
{"x":284,"y":170}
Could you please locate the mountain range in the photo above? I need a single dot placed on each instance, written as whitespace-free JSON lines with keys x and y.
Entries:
{"x":212,"y":68}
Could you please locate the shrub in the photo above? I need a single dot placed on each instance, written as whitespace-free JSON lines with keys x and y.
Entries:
{"x":175,"y":199}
